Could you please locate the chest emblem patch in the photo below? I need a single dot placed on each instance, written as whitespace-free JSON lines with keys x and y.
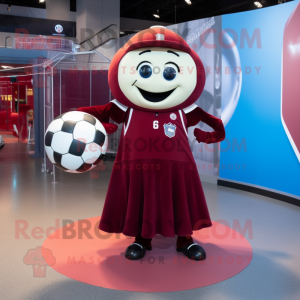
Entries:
{"x":170,"y":130}
{"x":173,"y":116}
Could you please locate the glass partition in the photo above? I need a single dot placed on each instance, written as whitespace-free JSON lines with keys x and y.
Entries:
{"x":76,"y":80}
{"x":55,"y":86}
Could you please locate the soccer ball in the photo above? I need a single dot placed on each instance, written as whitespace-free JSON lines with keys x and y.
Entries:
{"x":2,"y":144}
{"x":75,"y":142}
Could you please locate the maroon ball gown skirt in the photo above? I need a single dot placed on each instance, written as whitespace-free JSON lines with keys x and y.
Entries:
{"x":150,"y":197}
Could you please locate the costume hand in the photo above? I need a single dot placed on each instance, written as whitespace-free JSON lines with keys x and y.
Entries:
{"x":200,"y":135}
{"x":110,"y":127}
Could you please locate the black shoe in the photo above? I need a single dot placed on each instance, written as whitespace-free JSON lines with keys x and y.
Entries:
{"x":136,"y":251}
{"x":193,"y":251}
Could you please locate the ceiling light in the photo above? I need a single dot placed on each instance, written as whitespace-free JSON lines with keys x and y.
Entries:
{"x":156,"y":15}
{"x":258,"y":4}
{"x":189,"y":2}
{"x":122,"y":32}
{"x":41,"y":1}
{"x":7,"y":67}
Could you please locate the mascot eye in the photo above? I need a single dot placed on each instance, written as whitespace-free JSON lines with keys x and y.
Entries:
{"x":145,"y":71}
{"x":169,"y":73}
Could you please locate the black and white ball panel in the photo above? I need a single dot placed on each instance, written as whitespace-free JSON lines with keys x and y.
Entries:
{"x":90,"y":119}
{"x":97,"y":162}
{"x":74,"y":116}
{"x":77,"y":147}
{"x":55,"y":125}
{"x":71,"y":162}
{"x":48,"y":138}
{"x":84,"y":131}
{"x":81,"y":169}
{"x":61,"y":142}
{"x":99,"y":138}
{"x":105,"y":145}
{"x":93,"y":153}
{"x":85,"y":167}
{"x":75,"y":142}
{"x":68,"y":126}
{"x":57,"y":157}
{"x":50,"y":153}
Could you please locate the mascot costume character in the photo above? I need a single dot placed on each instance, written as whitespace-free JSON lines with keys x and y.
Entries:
{"x":155,"y":187}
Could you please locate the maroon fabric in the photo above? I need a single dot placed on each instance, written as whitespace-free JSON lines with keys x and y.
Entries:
{"x":110,"y":128}
{"x":200,"y":135}
{"x":150,"y":197}
{"x":153,"y":190}
{"x":197,"y":115}
{"x":183,"y":241}
{"x":148,"y":38}
{"x":210,"y":137}
{"x":103,"y":113}
{"x":145,"y":138}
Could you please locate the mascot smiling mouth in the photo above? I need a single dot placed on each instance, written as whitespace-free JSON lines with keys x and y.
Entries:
{"x":155,"y":97}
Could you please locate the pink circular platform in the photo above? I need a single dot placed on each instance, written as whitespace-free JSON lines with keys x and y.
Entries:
{"x":99,"y":259}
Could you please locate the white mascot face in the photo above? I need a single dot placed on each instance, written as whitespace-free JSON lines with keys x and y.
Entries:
{"x":157,"y":78}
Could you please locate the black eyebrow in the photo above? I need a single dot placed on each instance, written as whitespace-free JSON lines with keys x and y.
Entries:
{"x":144,"y":52}
{"x":143,"y":62}
{"x":169,"y":51}
{"x":170,"y":62}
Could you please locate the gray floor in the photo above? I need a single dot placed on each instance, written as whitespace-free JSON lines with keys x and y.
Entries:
{"x":28,"y":194}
